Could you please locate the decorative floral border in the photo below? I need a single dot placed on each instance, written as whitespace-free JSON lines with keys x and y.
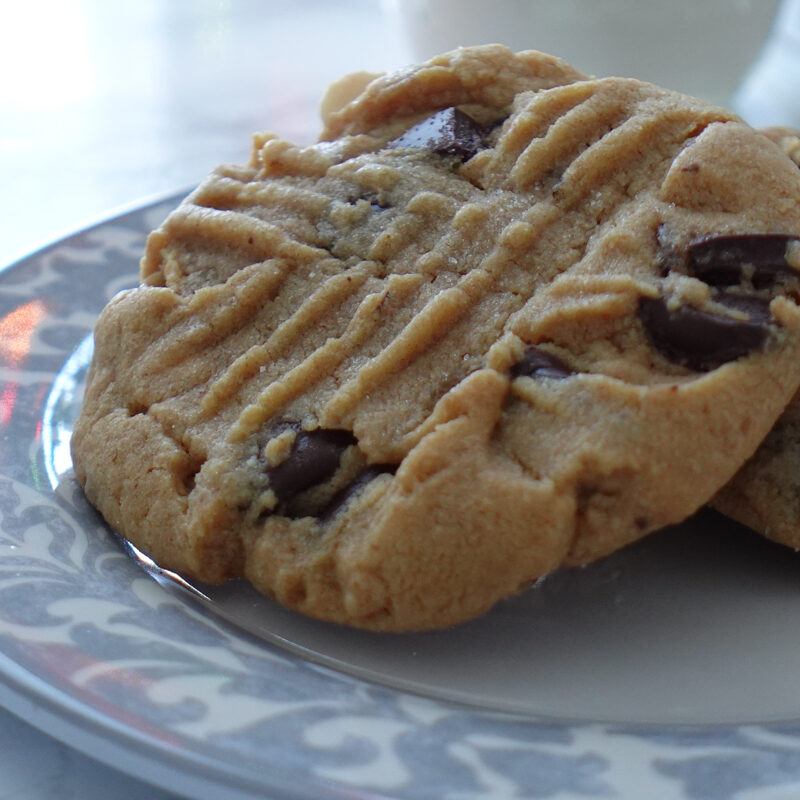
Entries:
{"x":78,"y":614}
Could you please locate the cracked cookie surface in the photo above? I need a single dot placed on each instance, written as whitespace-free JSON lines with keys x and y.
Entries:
{"x":484,"y":328}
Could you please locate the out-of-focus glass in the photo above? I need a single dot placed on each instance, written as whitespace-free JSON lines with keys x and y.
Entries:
{"x":770,"y":94}
{"x":700,"y":47}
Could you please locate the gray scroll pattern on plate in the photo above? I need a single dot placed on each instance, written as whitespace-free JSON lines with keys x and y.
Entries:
{"x":77,"y":613}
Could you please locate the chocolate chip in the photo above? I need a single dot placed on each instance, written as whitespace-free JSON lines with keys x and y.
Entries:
{"x":347,"y":493}
{"x":757,"y":309}
{"x":701,"y":340}
{"x":448,"y":132}
{"x":314,"y":458}
{"x":728,"y":260}
{"x":538,"y":363}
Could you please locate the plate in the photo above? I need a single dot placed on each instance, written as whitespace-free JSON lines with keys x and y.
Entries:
{"x":670,"y":667}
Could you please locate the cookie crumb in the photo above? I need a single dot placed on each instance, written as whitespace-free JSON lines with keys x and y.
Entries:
{"x":277,"y":449}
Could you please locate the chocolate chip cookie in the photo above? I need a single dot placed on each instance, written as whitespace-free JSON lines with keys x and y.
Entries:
{"x":765,"y":494}
{"x":498,"y":320}
{"x":788,"y":139}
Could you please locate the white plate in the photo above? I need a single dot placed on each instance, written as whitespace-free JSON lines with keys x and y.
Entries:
{"x":668,"y":669}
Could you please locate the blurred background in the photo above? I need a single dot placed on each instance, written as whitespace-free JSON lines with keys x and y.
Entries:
{"x":107,"y":103}
{"x":104,"y":105}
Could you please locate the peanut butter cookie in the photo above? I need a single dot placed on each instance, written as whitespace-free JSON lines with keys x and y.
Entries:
{"x":501,"y":318}
{"x":765,"y":494}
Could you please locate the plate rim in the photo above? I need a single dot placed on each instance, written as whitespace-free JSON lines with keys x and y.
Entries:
{"x":57,"y":714}
{"x":91,"y":222}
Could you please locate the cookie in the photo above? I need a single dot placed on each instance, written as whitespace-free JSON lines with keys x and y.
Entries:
{"x":485,"y":328}
{"x":765,"y":494}
{"x":788,"y":139}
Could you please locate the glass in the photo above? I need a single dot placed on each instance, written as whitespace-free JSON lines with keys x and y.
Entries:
{"x":700,"y":47}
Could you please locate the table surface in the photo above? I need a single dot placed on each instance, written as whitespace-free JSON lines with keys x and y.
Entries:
{"x":104,"y":105}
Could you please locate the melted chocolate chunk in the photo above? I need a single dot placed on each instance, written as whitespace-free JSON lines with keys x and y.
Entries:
{"x":728,"y":260}
{"x":537,"y":363}
{"x":448,"y":132}
{"x":313,"y":459}
{"x":347,"y":493}
{"x":701,"y":340}
{"x":756,"y":309}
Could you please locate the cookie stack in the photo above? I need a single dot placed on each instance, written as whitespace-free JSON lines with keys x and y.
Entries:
{"x":502,"y":318}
